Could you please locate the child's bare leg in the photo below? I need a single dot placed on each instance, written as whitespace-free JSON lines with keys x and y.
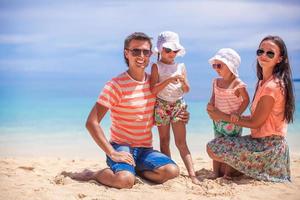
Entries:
{"x":164,"y":138}
{"x":179,"y":130}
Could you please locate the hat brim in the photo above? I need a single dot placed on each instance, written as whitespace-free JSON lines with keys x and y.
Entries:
{"x":174,"y":47}
{"x":219,"y":58}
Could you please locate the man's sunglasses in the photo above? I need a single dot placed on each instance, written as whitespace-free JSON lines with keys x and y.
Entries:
{"x":138,"y":52}
{"x":168,"y":50}
{"x":260,"y":52}
{"x":217,"y":66}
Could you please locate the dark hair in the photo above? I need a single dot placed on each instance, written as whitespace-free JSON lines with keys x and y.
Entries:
{"x":135,"y":36}
{"x":283,"y":72}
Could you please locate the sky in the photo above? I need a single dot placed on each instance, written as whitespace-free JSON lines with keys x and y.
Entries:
{"x":69,"y":47}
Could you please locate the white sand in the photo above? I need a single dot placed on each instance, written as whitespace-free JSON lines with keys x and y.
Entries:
{"x":40,"y":178}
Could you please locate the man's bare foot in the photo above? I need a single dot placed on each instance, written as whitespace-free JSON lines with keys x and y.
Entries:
{"x":85,"y":175}
{"x":195,"y":180}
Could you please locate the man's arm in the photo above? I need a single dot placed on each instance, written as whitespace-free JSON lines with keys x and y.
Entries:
{"x":92,"y":124}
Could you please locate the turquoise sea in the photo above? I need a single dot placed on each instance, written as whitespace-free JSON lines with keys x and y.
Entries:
{"x":49,"y":119}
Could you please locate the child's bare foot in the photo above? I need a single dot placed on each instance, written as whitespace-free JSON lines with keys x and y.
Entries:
{"x":227,"y":177}
{"x":195,"y":180}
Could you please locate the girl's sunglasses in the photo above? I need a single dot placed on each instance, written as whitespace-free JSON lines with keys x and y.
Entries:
{"x":260,"y":52}
{"x":138,"y":52}
{"x":217,"y":66}
{"x":168,"y":50}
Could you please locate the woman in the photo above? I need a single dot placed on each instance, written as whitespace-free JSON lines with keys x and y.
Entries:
{"x":263,"y":155}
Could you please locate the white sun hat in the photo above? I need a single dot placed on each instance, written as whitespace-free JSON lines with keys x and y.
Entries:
{"x":229,"y":57}
{"x":169,"y":39}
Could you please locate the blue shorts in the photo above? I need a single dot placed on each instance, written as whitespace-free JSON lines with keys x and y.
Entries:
{"x":146,"y":159}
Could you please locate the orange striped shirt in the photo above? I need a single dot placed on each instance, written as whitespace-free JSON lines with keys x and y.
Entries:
{"x":131,"y":104}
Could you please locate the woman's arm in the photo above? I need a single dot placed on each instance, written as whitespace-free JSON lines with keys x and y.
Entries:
{"x":259,"y":116}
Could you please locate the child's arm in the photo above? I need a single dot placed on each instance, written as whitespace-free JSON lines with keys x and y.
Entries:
{"x":244,"y":94}
{"x":184,"y":82}
{"x":156,"y":87}
{"x":211,"y":103}
{"x":212,"y":98}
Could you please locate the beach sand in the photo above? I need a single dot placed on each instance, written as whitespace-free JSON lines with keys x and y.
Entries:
{"x":41,"y":178}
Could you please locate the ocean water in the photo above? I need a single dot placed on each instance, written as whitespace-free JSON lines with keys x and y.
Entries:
{"x":37,"y":120}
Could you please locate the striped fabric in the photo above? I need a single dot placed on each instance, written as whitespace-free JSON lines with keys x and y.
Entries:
{"x":225,"y":99}
{"x":131,"y":104}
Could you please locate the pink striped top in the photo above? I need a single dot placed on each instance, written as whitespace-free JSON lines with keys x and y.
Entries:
{"x":225,"y":99}
{"x":131,"y":104}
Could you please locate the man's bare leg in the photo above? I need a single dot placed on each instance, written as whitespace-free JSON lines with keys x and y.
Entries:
{"x":121,"y":179}
{"x":161,"y":174}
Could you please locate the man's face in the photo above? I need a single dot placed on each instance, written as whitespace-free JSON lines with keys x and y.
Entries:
{"x":138,"y":54}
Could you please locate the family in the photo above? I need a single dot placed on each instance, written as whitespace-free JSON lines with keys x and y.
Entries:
{"x":137,"y":101}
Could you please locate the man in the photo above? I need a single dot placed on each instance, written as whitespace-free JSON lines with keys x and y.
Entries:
{"x":131,"y":103}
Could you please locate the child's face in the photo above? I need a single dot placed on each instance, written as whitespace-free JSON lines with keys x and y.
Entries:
{"x":167,"y":55}
{"x":221,"y":68}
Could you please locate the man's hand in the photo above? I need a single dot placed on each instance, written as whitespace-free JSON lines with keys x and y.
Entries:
{"x":122,"y":156}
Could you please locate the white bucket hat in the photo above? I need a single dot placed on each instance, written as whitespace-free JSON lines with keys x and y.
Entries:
{"x":229,"y":57}
{"x":169,"y":39}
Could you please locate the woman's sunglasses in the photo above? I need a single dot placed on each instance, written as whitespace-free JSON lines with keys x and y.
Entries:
{"x":260,"y":52}
{"x":217,"y":66}
{"x":168,"y":50}
{"x":138,"y":52}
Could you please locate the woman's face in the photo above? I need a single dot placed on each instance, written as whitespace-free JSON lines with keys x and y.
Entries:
{"x":268,"y":54}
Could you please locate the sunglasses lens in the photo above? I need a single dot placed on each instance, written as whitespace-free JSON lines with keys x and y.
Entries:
{"x":217,"y":66}
{"x":270,"y":54}
{"x":259,"y":52}
{"x":146,"y":52}
{"x":138,"y":52}
{"x":167,"y":50}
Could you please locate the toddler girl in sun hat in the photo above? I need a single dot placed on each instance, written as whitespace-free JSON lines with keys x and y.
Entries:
{"x":229,"y":95}
{"x":169,"y":83}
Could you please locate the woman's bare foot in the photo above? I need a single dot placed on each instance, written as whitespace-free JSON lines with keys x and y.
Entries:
{"x":85,"y":175}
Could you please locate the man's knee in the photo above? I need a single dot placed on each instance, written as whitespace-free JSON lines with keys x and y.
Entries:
{"x":124,"y":179}
{"x":168,"y":172}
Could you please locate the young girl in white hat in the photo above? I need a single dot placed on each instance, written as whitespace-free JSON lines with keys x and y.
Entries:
{"x":230,"y":96}
{"x":169,"y":83}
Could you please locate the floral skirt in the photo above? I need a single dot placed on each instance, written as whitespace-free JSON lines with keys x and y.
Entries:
{"x":260,"y":158}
